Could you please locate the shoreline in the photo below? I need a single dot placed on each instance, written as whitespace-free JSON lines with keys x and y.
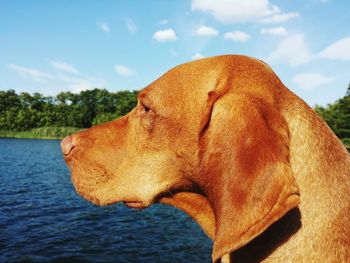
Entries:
{"x":42,"y":133}
{"x":31,"y":138}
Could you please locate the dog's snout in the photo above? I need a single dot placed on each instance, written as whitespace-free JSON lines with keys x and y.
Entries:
{"x":67,"y":145}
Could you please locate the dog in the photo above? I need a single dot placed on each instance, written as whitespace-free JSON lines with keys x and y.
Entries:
{"x":225,"y":141}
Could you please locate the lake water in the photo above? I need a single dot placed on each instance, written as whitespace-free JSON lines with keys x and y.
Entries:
{"x":42,"y":219}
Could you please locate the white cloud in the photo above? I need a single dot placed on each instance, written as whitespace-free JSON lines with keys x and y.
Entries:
{"x":275,"y":31}
{"x":77,"y":85}
{"x":165,"y":35}
{"x":236,"y":11}
{"x":63,"y":66}
{"x":34,"y":74}
{"x":104,"y":27}
{"x":206,"y":31}
{"x":163,"y":22}
{"x":130,"y":24}
{"x":279,"y":18}
{"x":293,"y":49}
{"x":197,"y":56}
{"x":310,"y":81}
{"x":51,"y":82}
{"x":237,"y":36}
{"x":339,"y":50}
{"x":124,"y":71}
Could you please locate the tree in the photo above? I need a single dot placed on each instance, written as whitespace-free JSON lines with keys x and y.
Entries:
{"x":337,"y":116}
{"x":104,"y":117}
{"x":90,"y":107}
{"x":126,"y":100}
{"x":9,"y":100}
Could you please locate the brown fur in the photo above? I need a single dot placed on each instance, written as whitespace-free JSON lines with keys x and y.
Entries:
{"x":225,"y":141}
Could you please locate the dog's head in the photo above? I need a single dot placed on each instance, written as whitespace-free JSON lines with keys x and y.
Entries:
{"x":209,"y":127}
{"x":148,"y":153}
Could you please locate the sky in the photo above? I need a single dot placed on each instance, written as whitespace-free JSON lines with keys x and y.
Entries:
{"x":54,"y":46}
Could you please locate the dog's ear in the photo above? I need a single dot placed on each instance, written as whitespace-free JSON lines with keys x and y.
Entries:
{"x":244,"y":168}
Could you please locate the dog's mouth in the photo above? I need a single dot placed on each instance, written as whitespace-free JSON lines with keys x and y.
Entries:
{"x":135,"y":204}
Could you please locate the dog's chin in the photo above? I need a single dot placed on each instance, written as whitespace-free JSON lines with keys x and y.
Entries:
{"x":96,"y":200}
{"x":93,"y":198}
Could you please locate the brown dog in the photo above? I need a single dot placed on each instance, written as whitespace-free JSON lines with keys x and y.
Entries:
{"x":225,"y":141}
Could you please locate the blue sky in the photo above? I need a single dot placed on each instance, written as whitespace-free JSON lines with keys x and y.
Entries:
{"x":53,"y":46}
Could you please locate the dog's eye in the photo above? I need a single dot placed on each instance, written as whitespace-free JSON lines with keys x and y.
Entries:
{"x":145,"y":109}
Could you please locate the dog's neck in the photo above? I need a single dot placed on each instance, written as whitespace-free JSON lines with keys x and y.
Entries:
{"x":263,"y":245}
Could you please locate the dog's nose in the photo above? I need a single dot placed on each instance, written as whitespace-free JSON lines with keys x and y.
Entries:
{"x":67,"y":145}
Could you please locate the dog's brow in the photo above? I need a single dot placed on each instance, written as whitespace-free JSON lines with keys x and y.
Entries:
{"x":144,"y":97}
{"x":141,"y":95}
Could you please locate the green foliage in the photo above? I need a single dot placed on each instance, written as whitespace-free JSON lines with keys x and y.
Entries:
{"x":104,"y":117}
{"x":25,"y":112}
{"x":337,"y":116}
{"x":42,"y":133}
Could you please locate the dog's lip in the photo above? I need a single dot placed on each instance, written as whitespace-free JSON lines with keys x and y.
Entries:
{"x":135,"y":204}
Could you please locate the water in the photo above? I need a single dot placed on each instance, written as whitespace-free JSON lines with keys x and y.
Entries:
{"x":42,"y":219}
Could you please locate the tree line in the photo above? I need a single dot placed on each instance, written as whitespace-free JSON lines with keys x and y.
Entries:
{"x":337,"y":116}
{"x":22,"y":112}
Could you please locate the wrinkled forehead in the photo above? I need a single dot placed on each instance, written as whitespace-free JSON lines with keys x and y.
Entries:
{"x":184,"y":87}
